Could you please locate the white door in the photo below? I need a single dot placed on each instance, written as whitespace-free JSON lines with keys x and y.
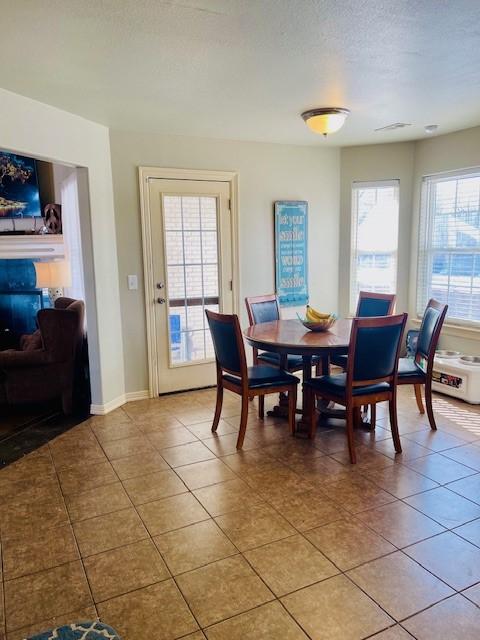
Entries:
{"x":192,"y":264}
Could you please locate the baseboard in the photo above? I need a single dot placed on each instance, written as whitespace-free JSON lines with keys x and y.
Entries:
{"x":102,"y":409}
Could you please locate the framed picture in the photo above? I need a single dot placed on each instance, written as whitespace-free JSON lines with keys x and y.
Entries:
{"x":19,"y":194}
{"x":291,"y":257}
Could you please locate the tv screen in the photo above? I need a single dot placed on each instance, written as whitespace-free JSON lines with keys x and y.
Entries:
{"x":19,"y":196}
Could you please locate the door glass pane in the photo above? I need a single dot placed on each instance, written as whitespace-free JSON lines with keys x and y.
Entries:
{"x":191,"y":253}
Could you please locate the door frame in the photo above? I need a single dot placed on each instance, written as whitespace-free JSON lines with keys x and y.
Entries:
{"x":144,"y":175}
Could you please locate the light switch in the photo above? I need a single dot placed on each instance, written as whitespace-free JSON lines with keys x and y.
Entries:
{"x":132,"y":283}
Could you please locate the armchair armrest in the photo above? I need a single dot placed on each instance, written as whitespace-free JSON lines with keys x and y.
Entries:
{"x":11,"y":359}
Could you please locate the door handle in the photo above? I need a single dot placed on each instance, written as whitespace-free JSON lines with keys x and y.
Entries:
{"x":160,"y":285}
{"x":161,"y":300}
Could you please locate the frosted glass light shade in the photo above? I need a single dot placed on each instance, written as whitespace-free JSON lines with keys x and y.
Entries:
{"x":325,"y":121}
{"x":53,"y":274}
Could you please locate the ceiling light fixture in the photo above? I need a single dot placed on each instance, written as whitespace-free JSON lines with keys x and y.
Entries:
{"x":325,"y":120}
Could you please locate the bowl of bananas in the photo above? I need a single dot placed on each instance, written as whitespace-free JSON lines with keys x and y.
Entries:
{"x":316,"y":321}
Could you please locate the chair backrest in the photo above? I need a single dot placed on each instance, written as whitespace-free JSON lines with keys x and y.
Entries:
{"x":262,"y":309}
{"x":429,"y":334}
{"x":374,"y":349}
{"x":372,"y":305}
{"x":61,"y":330}
{"x":227,"y":343}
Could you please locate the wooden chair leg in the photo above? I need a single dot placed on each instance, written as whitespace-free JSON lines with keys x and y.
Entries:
{"x":418,"y":397}
{"x":292,"y":408}
{"x":243,"y":422}
{"x":428,"y":402}
{"x":373,"y":417}
{"x":318,"y":368}
{"x":309,"y":410}
{"x":218,"y":408}
{"x":357,"y":417}
{"x":261,"y":407}
{"x":350,"y":434}
{"x":392,"y":408}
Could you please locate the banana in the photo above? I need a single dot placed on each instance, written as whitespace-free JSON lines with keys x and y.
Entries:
{"x":315,"y":316}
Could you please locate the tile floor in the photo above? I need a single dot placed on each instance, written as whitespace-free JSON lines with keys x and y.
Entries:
{"x":144,"y":519}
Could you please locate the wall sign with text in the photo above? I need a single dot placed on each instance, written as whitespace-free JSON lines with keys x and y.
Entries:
{"x":291,"y":259}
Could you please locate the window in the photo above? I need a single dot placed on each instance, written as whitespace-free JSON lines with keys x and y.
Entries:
{"x":449,"y":244}
{"x":374,"y":238}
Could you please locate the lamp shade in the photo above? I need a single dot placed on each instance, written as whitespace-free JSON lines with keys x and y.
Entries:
{"x":53,"y":274}
{"x":325,"y":121}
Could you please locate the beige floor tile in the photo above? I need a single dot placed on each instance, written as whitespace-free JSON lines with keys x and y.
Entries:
{"x":158,"y":612}
{"x":126,"y":447}
{"x":96,"y":502}
{"x":357,"y":494}
{"x":222,"y":589}
{"x":307,"y":510}
{"x":394,"y":633}
{"x":203,"y":474}
{"x":44,"y":550}
{"x":203,"y":430}
{"x":322,"y":470}
{"x":336,"y":609}
{"x":171,"y":513}
{"x":224,"y":445}
{"x":74,"y":455}
{"x":348,"y":543}
{"x":244,"y":462}
{"x":439,"y":468}
{"x":87,"y":613}
{"x":368,"y":459}
{"x":410,"y":450}
{"x":108,"y":532}
{"x":108,"y":432}
{"x":32,"y":489}
{"x":268,"y":622}
{"x":45,"y":594}
{"x":470,"y":532}
{"x":400,"y":524}
{"x":89,"y":476}
{"x":399,"y":585}
{"x":252,"y":527}
{"x":139,"y":465}
{"x":435,"y":440}
{"x":154,"y":486}
{"x":187,"y":454}
{"x":194,"y":546}
{"x":171,"y":437}
{"x":125,"y":569}
{"x":227,"y":496}
{"x":467,"y":487}
{"x":401,"y":481}
{"x":473,"y":594}
{"x":194,"y":416}
{"x":450,"y":558}
{"x":26,"y":520}
{"x":453,"y":619}
{"x":157,"y":425}
{"x":468,"y":455}
{"x":444,"y":506}
{"x":290,"y":564}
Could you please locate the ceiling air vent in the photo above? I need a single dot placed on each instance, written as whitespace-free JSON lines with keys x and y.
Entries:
{"x":395,"y":125}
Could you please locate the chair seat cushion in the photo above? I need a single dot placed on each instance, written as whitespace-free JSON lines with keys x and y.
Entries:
{"x":79,"y":631}
{"x":263,"y":376}
{"x":407,"y":368}
{"x":294,"y":363}
{"x":335,"y":385}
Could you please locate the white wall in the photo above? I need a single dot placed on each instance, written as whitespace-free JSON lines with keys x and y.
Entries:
{"x":267,"y":172}
{"x":35,"y":129}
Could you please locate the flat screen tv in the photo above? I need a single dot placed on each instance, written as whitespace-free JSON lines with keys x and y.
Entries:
{"x":19,"y":196}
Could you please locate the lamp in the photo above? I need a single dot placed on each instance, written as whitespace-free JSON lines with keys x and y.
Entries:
{"x":53,"y":276}
{"x":325,"y":120}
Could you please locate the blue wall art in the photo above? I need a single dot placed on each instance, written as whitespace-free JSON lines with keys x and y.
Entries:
{"x":291,"y":258}
{"x":19,"y":195}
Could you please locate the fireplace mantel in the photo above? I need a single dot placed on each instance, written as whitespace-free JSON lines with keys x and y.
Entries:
{"x":32,"y":246}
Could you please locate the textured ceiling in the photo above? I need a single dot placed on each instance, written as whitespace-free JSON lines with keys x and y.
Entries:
{"x":246,"y":69}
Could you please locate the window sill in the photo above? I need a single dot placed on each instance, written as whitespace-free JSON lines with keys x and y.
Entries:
{"x":458,"y":330}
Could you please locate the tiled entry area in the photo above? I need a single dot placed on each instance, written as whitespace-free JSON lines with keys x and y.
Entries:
{"x":145,"y":520}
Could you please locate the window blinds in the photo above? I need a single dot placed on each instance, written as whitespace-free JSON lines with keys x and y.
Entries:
{"x":374,"y":238}
{"x":449,"y":244}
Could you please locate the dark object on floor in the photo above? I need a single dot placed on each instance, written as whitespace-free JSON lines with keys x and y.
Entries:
{"x":79,"y":631}
{"x":248,"y":382}
{"x":44,"y":368}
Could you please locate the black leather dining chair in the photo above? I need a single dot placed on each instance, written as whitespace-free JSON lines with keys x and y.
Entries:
{"x":248,"y":382}
{"x":371,"y":375}
{"x":418,"y":370}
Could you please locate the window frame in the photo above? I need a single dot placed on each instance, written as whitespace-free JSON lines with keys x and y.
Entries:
{"x":354,"y":252}
{"x":426,"y":249}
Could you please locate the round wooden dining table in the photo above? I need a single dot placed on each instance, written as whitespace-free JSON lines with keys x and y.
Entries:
{"x":290,"y":337}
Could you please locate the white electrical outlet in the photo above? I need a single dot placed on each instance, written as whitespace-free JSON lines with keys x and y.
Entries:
{"x":132,"y":283}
